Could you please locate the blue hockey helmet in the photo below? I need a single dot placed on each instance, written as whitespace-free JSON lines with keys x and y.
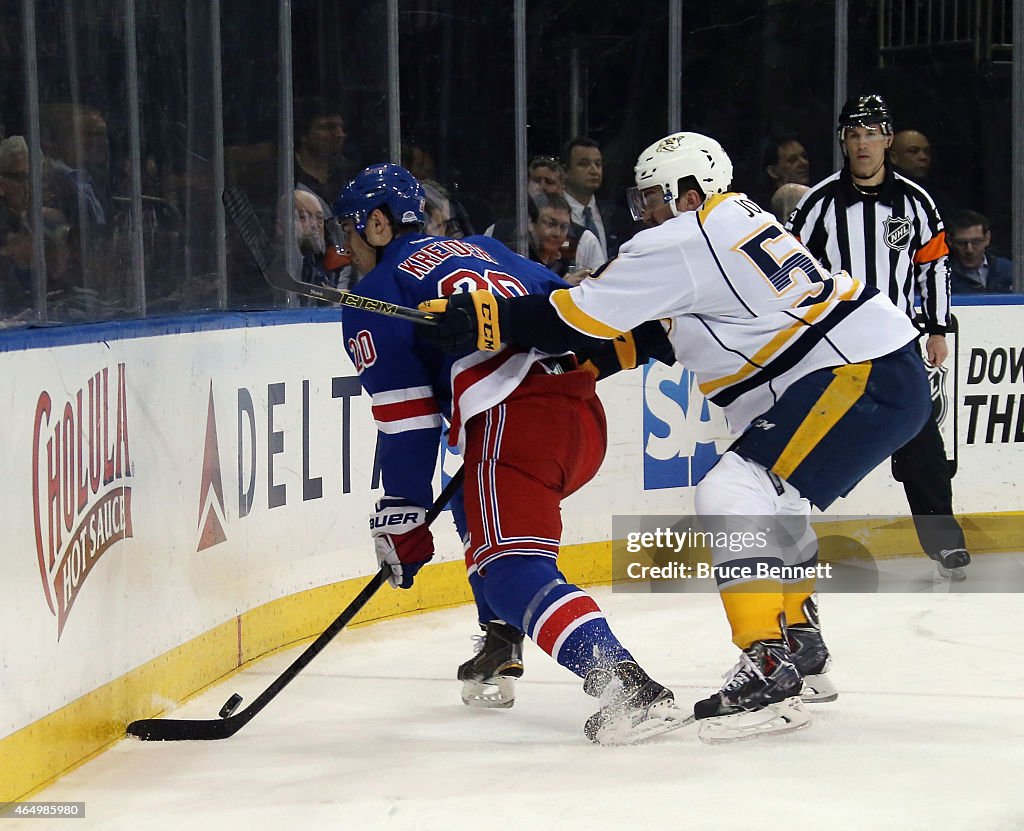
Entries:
{"x":379,"y":186}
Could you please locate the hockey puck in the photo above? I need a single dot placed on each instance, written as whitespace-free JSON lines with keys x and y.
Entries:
{"x":230,"y":705}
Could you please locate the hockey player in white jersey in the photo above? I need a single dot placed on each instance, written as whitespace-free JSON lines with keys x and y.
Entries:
{"x":816,"y":373}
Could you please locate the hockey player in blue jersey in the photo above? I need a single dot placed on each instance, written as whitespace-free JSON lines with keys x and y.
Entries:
{"x":528,"y":424}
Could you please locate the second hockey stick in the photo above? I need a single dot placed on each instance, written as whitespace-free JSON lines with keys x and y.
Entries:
{"x":243,"y":216}
{"x":173,"y":730}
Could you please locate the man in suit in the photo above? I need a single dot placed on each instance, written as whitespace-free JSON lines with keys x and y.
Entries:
{"x":584,"y":173}
{"x":972,"y":268}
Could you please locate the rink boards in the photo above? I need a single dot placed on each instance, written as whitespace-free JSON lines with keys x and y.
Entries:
{"x":185,"y":495}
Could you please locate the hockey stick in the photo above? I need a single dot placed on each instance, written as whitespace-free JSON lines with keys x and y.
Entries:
{"x":243,"y":216}
{"x":172,"y":730}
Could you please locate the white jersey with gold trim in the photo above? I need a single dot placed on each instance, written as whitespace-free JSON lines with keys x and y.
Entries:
{"x":750,"y":310}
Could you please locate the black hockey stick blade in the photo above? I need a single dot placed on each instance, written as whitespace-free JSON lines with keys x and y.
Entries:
{"x":243,"y":216}
{"x":173,"y":730}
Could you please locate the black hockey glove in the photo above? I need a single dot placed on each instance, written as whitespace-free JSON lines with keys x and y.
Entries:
{"x":629,"y":350}
{"x":465,"y":321}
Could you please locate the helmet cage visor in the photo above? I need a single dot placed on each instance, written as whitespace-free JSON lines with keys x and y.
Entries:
{"x":648,"y":199}
{"x":866,"y":111}
{"x":876,"y":130}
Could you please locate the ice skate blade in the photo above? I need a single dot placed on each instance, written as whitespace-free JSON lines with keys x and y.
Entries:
{"x":954,"y":574}
{"x":494,"y":693}
{"x":818,"y":689}
{"x":783,"y":717}
{"x":661,"y":718}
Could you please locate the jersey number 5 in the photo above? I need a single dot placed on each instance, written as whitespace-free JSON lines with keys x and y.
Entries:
{"x":786,"y":269}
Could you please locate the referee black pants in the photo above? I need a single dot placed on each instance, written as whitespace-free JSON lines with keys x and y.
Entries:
{"x":922,"y":467}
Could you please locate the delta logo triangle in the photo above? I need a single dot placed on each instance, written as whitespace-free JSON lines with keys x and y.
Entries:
{"x":211,"y":492}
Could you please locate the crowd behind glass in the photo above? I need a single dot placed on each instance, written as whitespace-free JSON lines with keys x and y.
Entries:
{"x":118,"y":132}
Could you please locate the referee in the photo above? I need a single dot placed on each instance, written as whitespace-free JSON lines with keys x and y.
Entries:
{"x":885,"y":230}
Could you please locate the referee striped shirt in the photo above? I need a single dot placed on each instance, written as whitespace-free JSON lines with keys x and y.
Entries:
{"x":892,"y":240}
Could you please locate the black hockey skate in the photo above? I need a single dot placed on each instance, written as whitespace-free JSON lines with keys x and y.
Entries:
{"x":811,"y":657}
{"x":952,"y":563}
{"x":634,"y":707}
{"x":761,"y":696}
{"x":488,"y":678}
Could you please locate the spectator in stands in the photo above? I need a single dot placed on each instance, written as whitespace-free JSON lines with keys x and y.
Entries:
{"x":419,"y":161}
{"x":76,"y":163}
{"x":309,"y":237}
{"x":546,"y":179}
{"x":972,"y":268}
{"x":911,"y":156}
{"x":549,"y":232}
{"x":309,"y":223}
{"x":785,"y":162}
{"x":442,"y":215}
{"x":584,"y":167}
{"x":79,"y":186}
{"x":16,"y":264}
{"x":14,"y":178}
{"x":15,"y":237}
{"x":320,"y":162}
{"x":545,"y":175}
{"x":786,"y":198}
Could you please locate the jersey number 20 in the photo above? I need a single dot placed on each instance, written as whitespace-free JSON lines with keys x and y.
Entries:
{"x":496,"y":282}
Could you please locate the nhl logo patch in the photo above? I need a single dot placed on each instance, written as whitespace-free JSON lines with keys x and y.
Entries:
{"x":897,"y":232}
{"x":937,"y":384}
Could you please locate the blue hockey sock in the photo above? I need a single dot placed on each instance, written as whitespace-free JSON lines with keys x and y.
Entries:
{"x":562,"y":619}
{"x":485,"y":614}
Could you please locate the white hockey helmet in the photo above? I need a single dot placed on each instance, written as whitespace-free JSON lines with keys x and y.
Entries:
{"x":675,"y":157}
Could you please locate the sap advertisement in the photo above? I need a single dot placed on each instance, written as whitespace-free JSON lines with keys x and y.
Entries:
{"x":683,"y":434}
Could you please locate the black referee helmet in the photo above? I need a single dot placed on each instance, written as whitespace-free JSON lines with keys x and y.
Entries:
{"x":863,"y":110}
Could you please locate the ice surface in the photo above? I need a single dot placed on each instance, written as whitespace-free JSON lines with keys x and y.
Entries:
{"x":928,"y":733}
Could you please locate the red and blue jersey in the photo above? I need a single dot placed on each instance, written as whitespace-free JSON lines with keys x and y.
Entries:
{"x":414,"y":387}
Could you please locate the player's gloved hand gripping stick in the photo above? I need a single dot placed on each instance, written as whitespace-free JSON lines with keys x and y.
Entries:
{"x":401,"y":539}
{"x":169,"y":730}
{"x":468,"y":320}
{"x":481,"y":320}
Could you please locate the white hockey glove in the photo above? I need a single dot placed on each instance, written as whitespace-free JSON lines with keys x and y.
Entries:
{"x":401,"y":539}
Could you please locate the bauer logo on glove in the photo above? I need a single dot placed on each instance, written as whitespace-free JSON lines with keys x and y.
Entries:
{"x":401,"y":539}
{"x":389,"y":519}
